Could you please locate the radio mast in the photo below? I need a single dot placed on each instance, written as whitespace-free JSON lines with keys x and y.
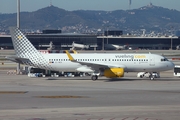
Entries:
{"x":130,"y":1}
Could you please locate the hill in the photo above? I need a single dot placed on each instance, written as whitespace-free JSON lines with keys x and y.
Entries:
{"x":150,"y":17}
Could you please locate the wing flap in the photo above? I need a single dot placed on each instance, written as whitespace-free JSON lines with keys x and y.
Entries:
{"x":99,"y":65}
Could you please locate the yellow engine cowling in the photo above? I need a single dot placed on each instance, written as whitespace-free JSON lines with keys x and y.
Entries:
{"x":114,"y":72}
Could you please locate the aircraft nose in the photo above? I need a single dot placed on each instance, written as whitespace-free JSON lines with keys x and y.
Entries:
{"x":171,"y":65}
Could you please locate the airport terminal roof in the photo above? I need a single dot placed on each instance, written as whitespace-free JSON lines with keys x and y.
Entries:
{"x":62,"y":34}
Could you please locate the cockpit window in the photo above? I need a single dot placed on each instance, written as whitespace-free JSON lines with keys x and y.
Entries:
{"x":164,"y":59}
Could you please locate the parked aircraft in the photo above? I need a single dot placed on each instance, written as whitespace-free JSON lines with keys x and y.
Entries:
{"x":109,"y":65}
{"x":49,"y":47}
{"x":79,"y":46}
{"x":114,"y":47}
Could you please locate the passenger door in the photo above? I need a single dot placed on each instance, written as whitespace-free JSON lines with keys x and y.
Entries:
{"x":151,"y":61}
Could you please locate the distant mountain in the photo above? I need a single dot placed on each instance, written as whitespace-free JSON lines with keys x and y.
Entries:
{"x":150,"y":17}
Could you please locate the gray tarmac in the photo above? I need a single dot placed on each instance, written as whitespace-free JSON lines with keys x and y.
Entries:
{"x":79,"y":98}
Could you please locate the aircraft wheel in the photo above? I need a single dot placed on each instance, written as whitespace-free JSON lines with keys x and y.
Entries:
{"x":94,"y":77}
{"x":151,"y":77}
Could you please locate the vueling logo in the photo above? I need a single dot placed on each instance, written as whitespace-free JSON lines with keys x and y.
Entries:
{"x":131,"y":56}
{"x":19,"y":37}
{"x":139,"y":56}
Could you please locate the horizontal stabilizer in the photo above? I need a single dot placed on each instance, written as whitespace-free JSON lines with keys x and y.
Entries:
{"x":17,"y":59}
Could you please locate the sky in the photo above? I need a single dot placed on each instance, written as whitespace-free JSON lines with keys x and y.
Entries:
{"x":10,"y":6}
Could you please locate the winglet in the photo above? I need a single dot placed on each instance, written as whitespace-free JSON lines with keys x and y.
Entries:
{"x":74,"y":51}
{"x":69,"y":56}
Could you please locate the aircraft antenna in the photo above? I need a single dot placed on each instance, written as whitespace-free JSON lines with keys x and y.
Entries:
{"x":130,"y":1}
{"x":50,"y":2}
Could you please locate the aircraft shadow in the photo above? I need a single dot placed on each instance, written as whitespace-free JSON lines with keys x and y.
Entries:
{"x":115,"y":79}
{"x":89,"y":78}
{"x":122,"y":79}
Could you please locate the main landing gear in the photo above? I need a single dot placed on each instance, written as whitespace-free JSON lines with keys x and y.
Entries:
{"x":94,"y":77}
{"x":151,"y":77}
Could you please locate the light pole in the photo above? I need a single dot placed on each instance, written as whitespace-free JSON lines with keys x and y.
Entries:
{"x":18,"y":26}
{"x":171,"y":37}
{"x":103,"y":40}
{"x":107,"y":35}
{"x":18,"y":13}
{"x":171,"y":42}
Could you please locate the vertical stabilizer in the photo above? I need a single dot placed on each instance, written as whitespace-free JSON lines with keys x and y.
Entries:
{"x":22,"y":45}
{"x":24,"y":49}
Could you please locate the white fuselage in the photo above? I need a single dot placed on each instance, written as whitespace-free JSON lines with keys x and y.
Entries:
{"x":130,"y":62}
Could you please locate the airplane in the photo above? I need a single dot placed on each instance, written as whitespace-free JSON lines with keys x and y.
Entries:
{"x":98,"y":64}
{"x":80,"y":46}
{"x":115,"y":47}
{"x":49,"y":47}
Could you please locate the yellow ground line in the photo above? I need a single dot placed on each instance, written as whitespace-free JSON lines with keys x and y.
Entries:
{"x":63,"y":96}
{"x":13,"y":92}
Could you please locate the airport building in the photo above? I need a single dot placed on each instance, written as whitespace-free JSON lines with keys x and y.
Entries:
{"x":64,"y":41}
{"x":61,"y":41}
{"x":154,"y":43}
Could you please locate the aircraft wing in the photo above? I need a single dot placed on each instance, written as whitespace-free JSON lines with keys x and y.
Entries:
{"x":94,"y":65}
{"x":16,"y":59}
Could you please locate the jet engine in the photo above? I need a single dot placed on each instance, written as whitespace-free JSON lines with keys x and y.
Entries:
{"x":114,"y":72}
